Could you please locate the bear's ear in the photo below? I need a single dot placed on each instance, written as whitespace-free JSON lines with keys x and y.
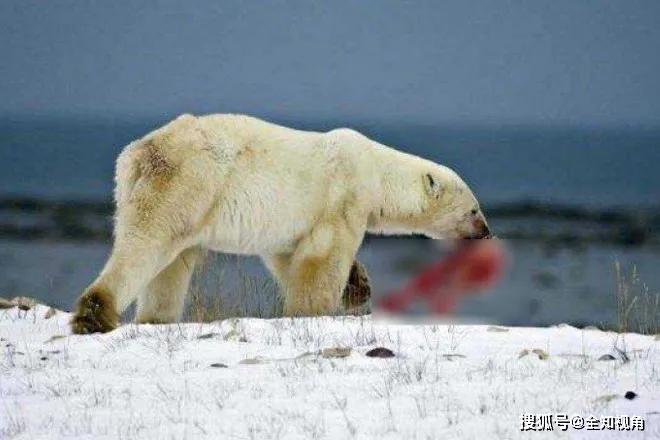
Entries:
{"x":432,"y":185}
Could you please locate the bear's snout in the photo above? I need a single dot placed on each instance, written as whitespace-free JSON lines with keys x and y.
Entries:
{"x":481,"y":230}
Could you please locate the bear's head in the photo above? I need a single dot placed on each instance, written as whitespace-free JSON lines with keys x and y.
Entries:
{"x":450,"y":209}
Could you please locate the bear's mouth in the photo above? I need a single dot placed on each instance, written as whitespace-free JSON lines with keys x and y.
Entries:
{"x":481,"y":235}
{"x":480,"y":230}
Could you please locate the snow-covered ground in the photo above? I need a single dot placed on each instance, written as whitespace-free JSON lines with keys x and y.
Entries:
{"x":281,"y":379}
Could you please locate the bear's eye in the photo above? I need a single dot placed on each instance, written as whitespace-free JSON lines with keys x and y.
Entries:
{"x":474,"y":212}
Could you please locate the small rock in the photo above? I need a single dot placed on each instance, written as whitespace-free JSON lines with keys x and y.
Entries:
{"x":452,"y":356}
{"x":630,"y":395}
{"x":24,"y":302}
{"x":537,"y":351}
{"x":251,"y":361}
{"x":336,"y":352}
{"x":218,"y":365}
{"x":6,"y":304}
{"x":207,"y":336}
{"x":607,"y":357}
{"x":43,"y":358}
{"x":496,"y":329}
{"x":541,"y":354}
{"x":380,"y":352}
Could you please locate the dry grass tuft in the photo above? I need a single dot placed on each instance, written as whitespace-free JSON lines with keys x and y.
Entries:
{"x":638,"y":310}
{"x":209,"y":300}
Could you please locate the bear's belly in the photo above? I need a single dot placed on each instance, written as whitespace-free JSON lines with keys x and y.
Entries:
{"x":250,"y":244}
{"x":257,"y":228}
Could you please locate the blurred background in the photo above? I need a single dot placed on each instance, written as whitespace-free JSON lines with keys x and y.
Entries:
{"x":549,"y":110}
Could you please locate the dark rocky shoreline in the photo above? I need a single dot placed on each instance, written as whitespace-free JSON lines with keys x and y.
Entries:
{"x":562,"y":225}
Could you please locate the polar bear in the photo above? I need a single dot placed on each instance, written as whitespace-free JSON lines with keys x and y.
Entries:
{"x":301,"y":200}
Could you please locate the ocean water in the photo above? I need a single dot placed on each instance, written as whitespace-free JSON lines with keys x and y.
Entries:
{"x":587,"y":167}
{"x":570,"y":203}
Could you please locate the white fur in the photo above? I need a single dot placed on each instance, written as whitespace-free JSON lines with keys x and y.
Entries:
{"x":301,"y":200}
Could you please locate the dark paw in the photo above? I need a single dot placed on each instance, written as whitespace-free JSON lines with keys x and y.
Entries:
{"x":358,"y":290}
{"x":95,"y":313}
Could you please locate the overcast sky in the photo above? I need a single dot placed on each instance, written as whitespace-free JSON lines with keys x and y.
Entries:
{"x":427,"y":62}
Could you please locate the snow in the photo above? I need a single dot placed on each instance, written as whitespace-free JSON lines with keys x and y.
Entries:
{"x":270,"y":380}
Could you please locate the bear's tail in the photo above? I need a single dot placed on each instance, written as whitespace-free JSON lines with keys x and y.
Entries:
{"x":127,"y":173}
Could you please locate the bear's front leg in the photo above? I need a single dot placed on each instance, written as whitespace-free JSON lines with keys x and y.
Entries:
{"x":319,"y":270}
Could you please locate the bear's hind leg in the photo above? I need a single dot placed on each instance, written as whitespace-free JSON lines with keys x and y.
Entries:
{"x":132,"y":265}
{"x":162,"y":217}
{"x":163,"y":299}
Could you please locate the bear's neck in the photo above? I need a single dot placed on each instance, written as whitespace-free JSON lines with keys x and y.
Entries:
{"x":402,"y":199}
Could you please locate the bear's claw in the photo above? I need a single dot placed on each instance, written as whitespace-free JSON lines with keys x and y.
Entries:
{"x":358,"y":290}
{"x":95,"y":313}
